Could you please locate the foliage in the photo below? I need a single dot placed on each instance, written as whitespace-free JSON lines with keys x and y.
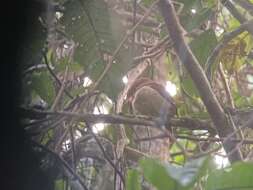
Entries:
{"x":167,"y":176}
{"x":79,"y":65}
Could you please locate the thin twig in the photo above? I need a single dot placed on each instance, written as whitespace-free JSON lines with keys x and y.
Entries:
{"x":223,"y":42}
{"x":104,"y":152}
{"x":191,"y":124}
{"x":34,"y":68}
{"x":108,"y":66}
{"x":198,"y":76}
{"x":226,"y":86}
{"x":63,"y":162}
{"x":145,"y":56}
{"x":72,"y":140}
{"x":59,"y":95}
{"x":59,"y":143}
{"x":193,"y":138}
{"x":246,"y":4}
{"x":54,"y":76}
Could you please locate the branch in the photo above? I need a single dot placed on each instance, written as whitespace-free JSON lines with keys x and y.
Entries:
{"x":68,"y":171}
{"x":191,"y":124}
{"x":223,"y":42}
{"x":226,"y":86}
{"x":150,"y":22}
{"x":198,"y":139}
{"x":248,"y":6}
{"x":109,"y":65}
{"x":237,"y":14}
{"x":197,"y":74}
{"x":249,"y":123}
{"x":107,"y":158}
{"x":59,"y":95}
{"x":54,"y":76}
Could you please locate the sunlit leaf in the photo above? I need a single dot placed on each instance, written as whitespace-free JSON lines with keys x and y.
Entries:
{"x":133,"y":180}
{"x":200,"y":48}
{"x":201,"y":51}
{"x":155,"y":173}
{"x":168,"y":176}
{"x":59,"y":184}
{"x":193,"y":170}
{"x":188,"y":86}
{"x":234,"y":54}
{"x":237,"y":177}
{"x":42,"y":83}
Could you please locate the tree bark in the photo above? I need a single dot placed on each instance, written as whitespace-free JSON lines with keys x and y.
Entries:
{"x":199,"y":78}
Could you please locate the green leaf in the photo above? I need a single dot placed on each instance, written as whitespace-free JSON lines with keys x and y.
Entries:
{"x":201,"y":50}
{"x":72,"y":66}
{"x":182,"y":109}
{"x":240,"y":101}
{"x":191,"y":22}
{"x":211,"y":3}
{"x":133,"y":181}
{"x":168,"y":176}
{"x":188,"y":175}
{"x":172,"y":68}
{"x":203,"y":45}
{"x":43,"y":85}
{"x":156,"y":174}
{"x":190,"y":4}
{"x":59,"y":184}
{"x":188,"y":86}
{"x":47,"y":137}
{"x":97,"y":31}
{"x":237,"y":177}
{"x":180,"y":159}
{"x":147,"y":2}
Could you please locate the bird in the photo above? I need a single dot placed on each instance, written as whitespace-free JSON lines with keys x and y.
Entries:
{"x":148,"y":97}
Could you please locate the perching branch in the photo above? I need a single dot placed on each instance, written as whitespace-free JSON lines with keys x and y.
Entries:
{"x":189,"y":123}
{"x":192,"y":65}
{"x":198,"y":139}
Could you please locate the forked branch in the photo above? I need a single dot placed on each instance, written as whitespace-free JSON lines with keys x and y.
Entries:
{"x":199,"y":78}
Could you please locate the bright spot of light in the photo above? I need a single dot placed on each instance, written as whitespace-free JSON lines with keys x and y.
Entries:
{"x":250,"y":79}
{"x":109,"y":100}
{"x":219,"y":30}
{"x":171,"y":88}
{"x":125,"y":80}
{"x":86,"y":81}
{"x":66,"y":145}
{"x":220,"y":160}
{"x":58,"y":15}
{"x":66,"y":46}
{"x":98,"y":127}
{"x":193,"y":11}
{"x":78,"y":135}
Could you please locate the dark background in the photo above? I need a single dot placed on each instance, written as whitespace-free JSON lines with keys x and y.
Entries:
{"x":19,"y":164}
